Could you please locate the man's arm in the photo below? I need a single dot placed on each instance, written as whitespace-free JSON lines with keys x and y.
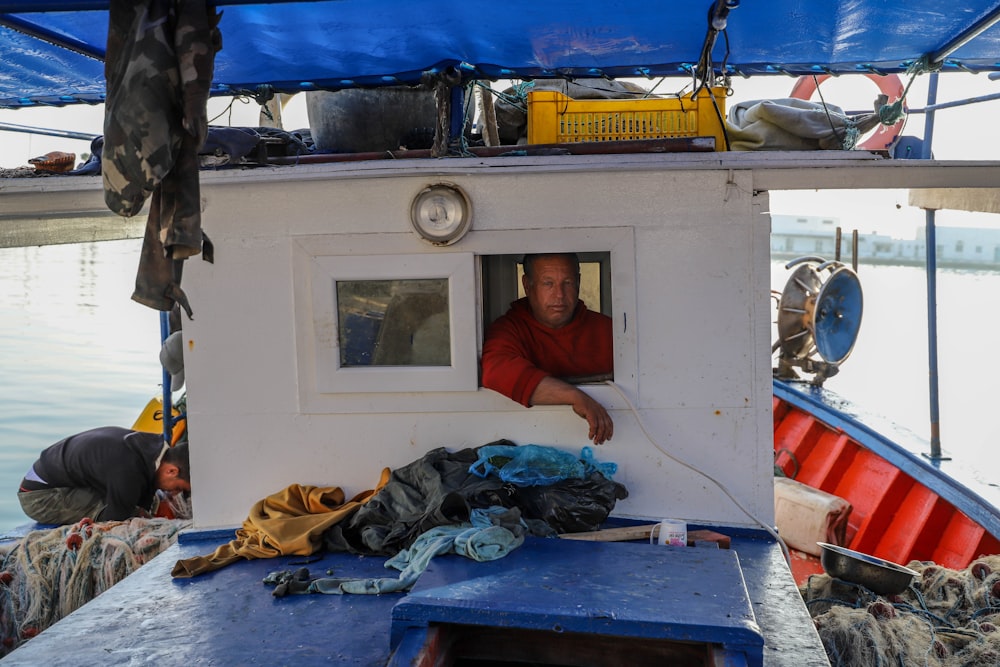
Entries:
{"x":123,"y":501}
{"x":506,"y":366}
{"x":126,"y":481}
{"x":551,"y":391}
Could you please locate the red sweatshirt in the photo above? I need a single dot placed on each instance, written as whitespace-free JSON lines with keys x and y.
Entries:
{"x":519,"y":350}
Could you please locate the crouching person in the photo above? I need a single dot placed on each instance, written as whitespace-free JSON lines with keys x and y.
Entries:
{"x":106,"y":474}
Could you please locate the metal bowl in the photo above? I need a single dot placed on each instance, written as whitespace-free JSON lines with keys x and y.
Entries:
{"x":875,"y":574}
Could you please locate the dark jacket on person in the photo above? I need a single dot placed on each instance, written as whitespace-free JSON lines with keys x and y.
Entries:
{"x":117,"y":462}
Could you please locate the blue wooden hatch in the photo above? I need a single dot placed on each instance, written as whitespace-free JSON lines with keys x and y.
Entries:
{"x":562,"y":591}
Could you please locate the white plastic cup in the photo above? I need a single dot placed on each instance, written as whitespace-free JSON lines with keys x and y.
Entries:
{"x":673,"y":533}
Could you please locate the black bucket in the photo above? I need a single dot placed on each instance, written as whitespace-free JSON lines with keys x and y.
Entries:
{"x":381,"y":119}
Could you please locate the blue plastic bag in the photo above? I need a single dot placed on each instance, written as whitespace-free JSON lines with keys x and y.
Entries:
{"x":536,"y":465}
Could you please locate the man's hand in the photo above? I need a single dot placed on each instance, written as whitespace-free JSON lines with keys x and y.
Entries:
{"x":551,"y":391}
{"x":601,"y":426}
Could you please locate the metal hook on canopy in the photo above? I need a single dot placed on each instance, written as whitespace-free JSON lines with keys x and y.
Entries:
{"x":718,"y":19}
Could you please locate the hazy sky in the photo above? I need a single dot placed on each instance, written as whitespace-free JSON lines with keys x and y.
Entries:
{"x":961,"y":133}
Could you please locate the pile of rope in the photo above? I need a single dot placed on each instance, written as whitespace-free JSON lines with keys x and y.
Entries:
{"x":946,"y":618}
{"x":50,"y":573}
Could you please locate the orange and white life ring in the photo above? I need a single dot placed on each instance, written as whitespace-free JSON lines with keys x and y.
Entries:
{"x":889,"y":85}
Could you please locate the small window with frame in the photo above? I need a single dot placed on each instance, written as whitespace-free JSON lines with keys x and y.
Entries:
{"x":391,"y":323}
{"x":399,"y":322}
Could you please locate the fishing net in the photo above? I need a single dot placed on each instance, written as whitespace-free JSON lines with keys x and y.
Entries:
{"x":173,"y":506}
{"x":946,"y":618}
{"x":50,"y":573}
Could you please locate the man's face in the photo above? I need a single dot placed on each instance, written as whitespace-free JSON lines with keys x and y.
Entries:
{"x":553,"y":291}
{"x":168,"y":479}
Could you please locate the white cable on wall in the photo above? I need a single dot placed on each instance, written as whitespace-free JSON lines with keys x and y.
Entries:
{"x":720,"y":485}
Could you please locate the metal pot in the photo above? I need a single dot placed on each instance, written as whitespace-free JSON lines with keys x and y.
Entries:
{"x":875,"y":574}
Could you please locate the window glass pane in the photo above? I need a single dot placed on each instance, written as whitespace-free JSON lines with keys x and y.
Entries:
{"x":394,"y":322}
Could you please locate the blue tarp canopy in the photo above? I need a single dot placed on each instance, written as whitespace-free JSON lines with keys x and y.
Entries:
{"x":51,"y":50}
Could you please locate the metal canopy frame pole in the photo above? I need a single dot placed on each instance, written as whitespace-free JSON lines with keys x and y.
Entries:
{"x":932,"y":361}
{"x":930,"y":252}
{"x":168,"y":405}
{"x":34,"y":30}
{"x":966,"y":36}
{"x":27,"y":129}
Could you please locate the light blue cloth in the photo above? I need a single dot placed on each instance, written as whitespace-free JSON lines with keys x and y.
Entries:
{"x":479,"y":540}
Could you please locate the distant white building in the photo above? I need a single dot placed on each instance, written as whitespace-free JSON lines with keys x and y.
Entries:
{"x":800,"y":235}
{"x":965,"y":245}
{"x":797,"y":235}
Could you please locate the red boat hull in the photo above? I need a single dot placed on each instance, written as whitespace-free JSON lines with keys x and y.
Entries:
{"x":894,"y":516}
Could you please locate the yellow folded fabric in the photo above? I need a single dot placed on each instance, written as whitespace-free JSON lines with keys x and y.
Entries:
{"x":290,"y":522}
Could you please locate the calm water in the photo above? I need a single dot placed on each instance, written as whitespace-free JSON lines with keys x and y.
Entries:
{"x":77,"y":352}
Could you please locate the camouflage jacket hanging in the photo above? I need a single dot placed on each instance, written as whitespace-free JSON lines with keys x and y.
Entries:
{"x":159,"y":66}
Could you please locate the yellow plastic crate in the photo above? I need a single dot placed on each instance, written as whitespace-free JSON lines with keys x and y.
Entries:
{"x":554,"y":118}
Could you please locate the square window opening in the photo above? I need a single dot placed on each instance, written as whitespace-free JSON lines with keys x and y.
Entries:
{"x":501,"y":286}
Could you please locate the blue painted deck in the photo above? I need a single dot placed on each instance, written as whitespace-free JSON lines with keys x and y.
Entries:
{"x":229,"y":617}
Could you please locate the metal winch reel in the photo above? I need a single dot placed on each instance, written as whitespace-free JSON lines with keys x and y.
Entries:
{"x":818,"y":320}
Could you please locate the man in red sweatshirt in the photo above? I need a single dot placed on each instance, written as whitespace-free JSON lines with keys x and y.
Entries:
{"x":547,"y":338}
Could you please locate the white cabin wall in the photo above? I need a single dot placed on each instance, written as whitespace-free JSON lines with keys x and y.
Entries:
{"x":692,"y":321}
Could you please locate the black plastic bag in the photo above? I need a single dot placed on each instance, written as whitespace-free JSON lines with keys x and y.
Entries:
{"x":571,"y":505}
